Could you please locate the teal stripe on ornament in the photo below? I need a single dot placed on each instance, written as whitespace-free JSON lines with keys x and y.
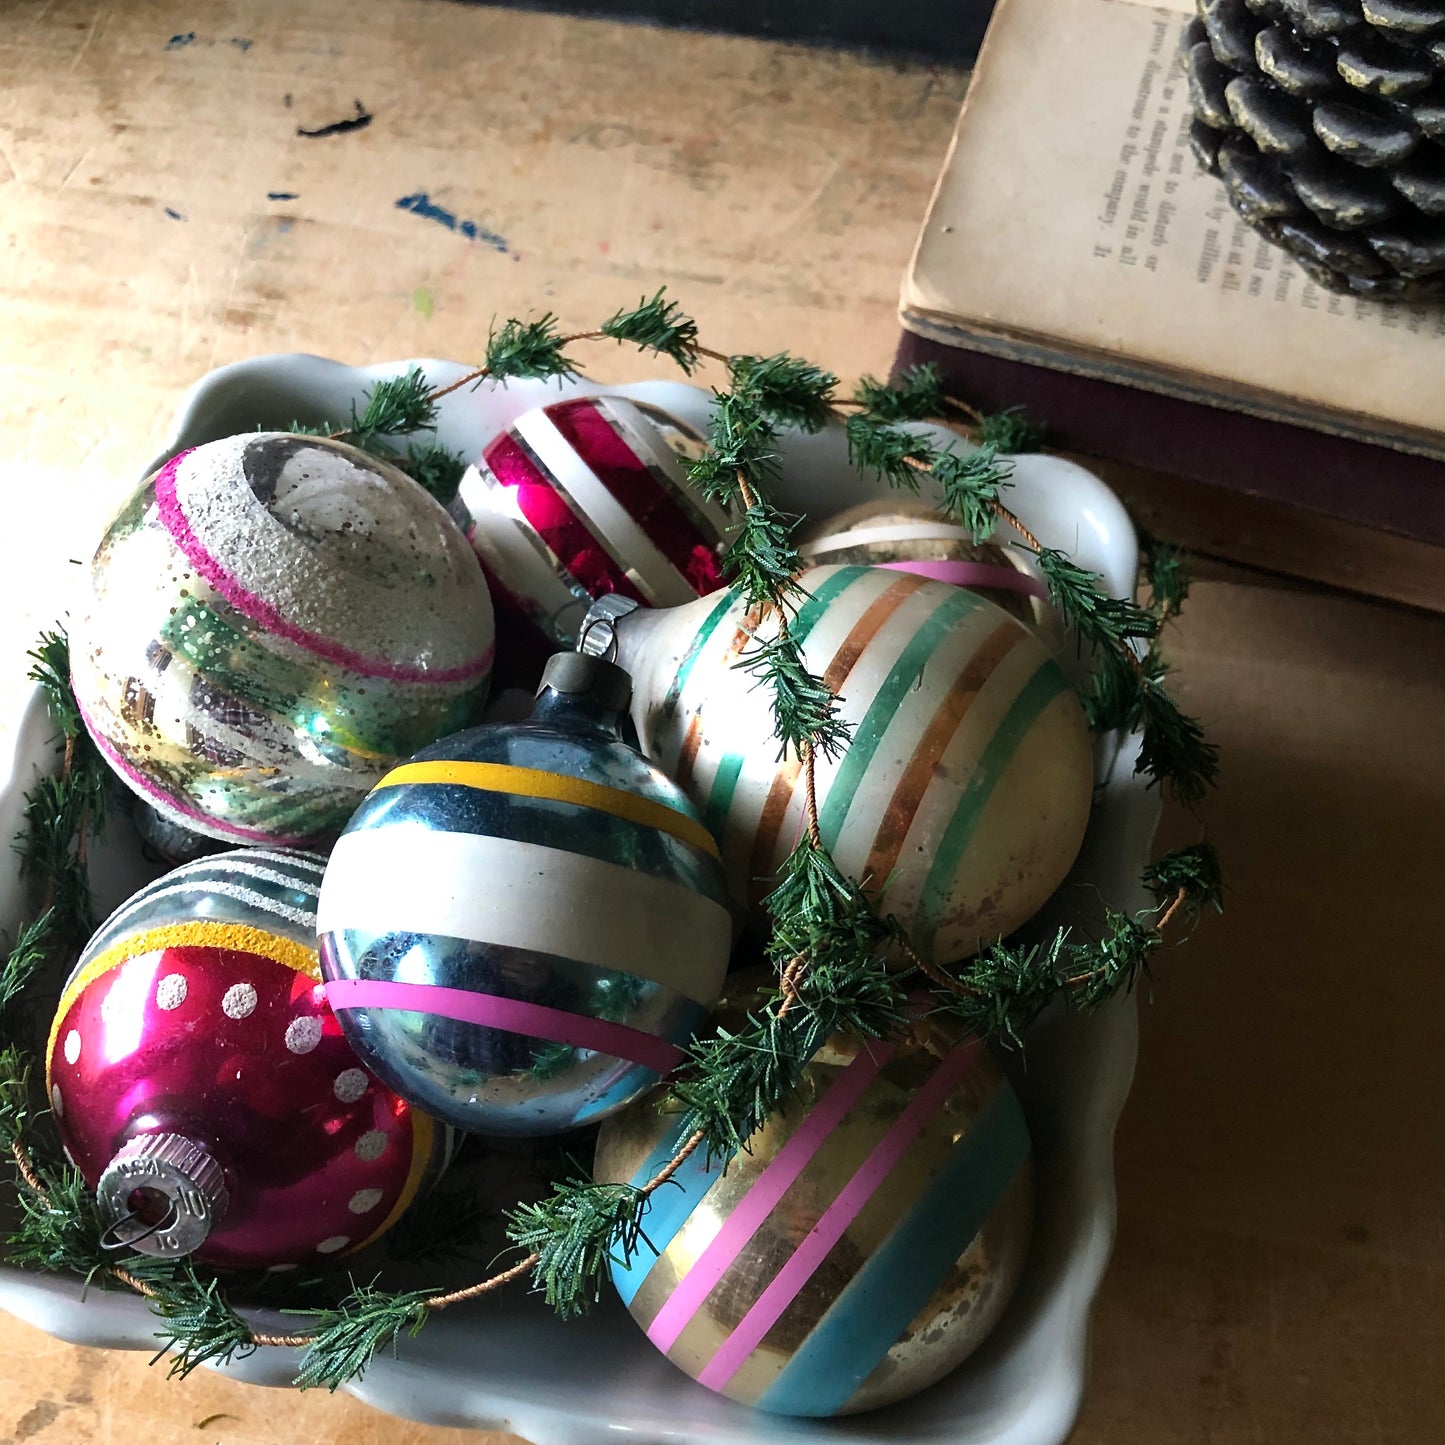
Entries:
{"x":823,"y":597}
{"x":725,"y":780}
{"x":720,"y":799}
{"x":1037,"y":693}
{"x":670,"y":1207}
{"x":886,"y":702}
{"x":877,"y":1305}
{"x":694,"y":651}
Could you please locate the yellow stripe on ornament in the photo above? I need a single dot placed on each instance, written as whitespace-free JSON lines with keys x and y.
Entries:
{"x":554,"y":787}
{"x":199,"y":933}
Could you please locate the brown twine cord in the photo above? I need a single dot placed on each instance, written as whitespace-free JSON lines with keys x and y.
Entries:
{"x":26,"y":1166}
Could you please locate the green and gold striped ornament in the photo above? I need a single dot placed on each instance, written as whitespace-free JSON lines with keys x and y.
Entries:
{"x":960,"y":803}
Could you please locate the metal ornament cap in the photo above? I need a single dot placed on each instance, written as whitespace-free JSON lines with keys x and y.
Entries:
{"x":598,"y":637}
{"x":179,"y":1170}
{"x":575,"y":674}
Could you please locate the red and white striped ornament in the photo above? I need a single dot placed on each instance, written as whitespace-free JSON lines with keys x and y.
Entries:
{"x":580,"y":498}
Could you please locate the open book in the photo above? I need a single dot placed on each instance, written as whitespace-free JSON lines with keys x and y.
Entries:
{"x":1076,"y":260}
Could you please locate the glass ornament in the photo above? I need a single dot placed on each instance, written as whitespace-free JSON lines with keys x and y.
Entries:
{"x":583,"y":497}
{"x":205,"y":1090}
{"x":523,"y":924}
{"x":862,"y":1245}
{"x":272,"y":621}
{"x":961,"y":801}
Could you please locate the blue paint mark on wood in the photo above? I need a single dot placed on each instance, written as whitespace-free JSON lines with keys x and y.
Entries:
{"x":174,"y":215}
{"x":241,"y":43}
{"x":179,"y":42}
{"x":282,"y":195}
{"x":422,"y":205}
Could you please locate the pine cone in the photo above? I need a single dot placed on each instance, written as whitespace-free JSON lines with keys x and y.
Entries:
{"x":1325,"y":119}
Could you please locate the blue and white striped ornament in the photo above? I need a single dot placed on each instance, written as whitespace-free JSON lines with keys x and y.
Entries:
{"x":524,"y":923}
{"x":962,"y":799}
{"x":862,"y":1245}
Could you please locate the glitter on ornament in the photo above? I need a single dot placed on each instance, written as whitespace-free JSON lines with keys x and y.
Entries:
{"x":521,"y":926}
{"x":863,"y":1244}
{"x":169,"y":1070}
{"x":580,"y":498}
{"x":273,"y":620}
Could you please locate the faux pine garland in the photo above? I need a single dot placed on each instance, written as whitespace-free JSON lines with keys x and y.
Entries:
{"x":829,"y":946}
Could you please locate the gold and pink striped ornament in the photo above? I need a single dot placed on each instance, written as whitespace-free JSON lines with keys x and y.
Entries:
{"x":962,"y":799}
{"x":862,"y":1245}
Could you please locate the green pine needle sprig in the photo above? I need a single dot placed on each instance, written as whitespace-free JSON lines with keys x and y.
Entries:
{"x":575,"y":1231}
{"x":1166,"y":577}
{"x":59,"y":1229}
{"x":528,"y":351}
{"x":657,"y":325}
{"x":972,"y":484}
{"x":917,"y":395}
{"x":889,"y":451}
{"x":1010,"y":431}
{"x":198,"y":1326}
{"x":395,"y":406}
{"x":346,"y":1336}
{"x":436,"y":468}
{"x":784,"y":390}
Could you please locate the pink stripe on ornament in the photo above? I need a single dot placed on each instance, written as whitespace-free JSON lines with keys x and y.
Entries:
{"x":165,"y":803}
{"x":268,"y":615}
{"x":760,"y":1201}
{"x":830,"y":1228}
{"x":512,"y":1015}
{"x":973,"y":574}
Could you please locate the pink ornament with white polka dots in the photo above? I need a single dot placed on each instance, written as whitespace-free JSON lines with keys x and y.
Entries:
{"x":203,"y":1087}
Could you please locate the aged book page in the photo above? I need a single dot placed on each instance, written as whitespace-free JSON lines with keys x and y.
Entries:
{"x":1072,"y":227}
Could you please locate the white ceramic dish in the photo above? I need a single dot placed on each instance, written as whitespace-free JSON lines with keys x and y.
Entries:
{"x":507,"y":1362}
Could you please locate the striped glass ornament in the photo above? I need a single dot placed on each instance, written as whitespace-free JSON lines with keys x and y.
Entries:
{"x":862,"y":1245}
{"x":962,"y":799}
{"x":272,"y":621}
{"x":911,"y":536}
{"x":577,"y":499}
{"x":202,"y":1086}
{"x":523,"y":924}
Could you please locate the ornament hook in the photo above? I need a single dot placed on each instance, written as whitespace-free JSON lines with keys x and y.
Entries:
{"x":115,"y":1236}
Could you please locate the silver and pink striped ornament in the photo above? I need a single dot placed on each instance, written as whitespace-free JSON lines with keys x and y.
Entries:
{"x":580,"y":498}
{"x":271,"y":621}
{"x":962,"y":799}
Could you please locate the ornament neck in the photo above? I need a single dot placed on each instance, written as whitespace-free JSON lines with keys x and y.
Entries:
{"x":583,"y":694}
{"x":162,"y":1194}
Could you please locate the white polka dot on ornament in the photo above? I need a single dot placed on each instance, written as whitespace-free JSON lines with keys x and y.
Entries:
{"x":303,"y":1034}
{"x":72,"y":1046}
{"x":171,"y":991}
{"x":371,"y":1145}
{"x":239,"y":1001}
{"x":330,"y":1246}
{"x":364,"y":1201}
{"x":350,"y":1085}
{"x":58,"y":1104}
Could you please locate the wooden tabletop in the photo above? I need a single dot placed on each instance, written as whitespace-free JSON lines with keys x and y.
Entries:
{"x":1279,"y":1275}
